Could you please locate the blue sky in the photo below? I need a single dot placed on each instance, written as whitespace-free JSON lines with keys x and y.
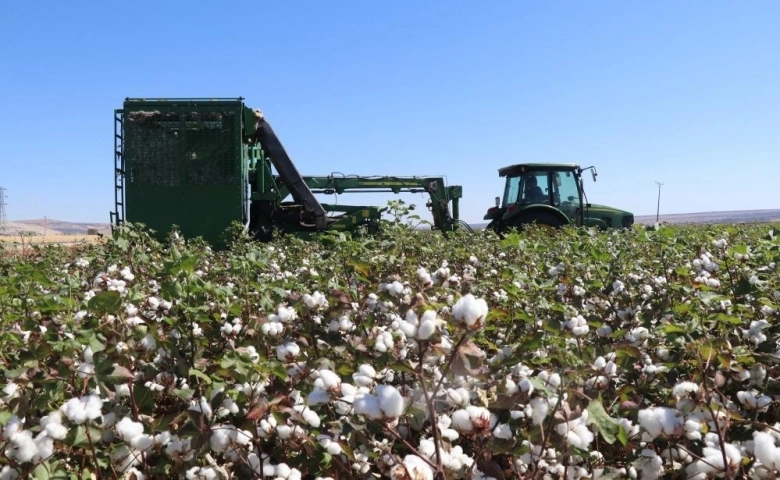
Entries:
{"x":685,"y":93}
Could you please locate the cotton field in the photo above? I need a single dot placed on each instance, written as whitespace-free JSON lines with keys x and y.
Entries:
{"x":640,"y":354}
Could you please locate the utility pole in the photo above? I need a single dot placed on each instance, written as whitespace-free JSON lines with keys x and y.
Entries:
{"x":3,"y":219}
{"x":658,"y":207}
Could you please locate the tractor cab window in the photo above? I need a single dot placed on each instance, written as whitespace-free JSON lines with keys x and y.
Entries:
{"x":512,"y":190}
{"x":566,"y":193}
{"x":535,"y":188}
{"x":528,"y":189}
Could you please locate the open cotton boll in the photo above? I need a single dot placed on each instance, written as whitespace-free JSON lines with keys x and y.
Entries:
{"x":470,"y":311}
{"x":52,"y":425}
{"x":658,"y":421}
{"x":752,"y":400}
{"x":327,"y":379}
{"x":765,"y":450}
{"x":537,"y":409}
{"x":391,"y":402}
{"x":128,"y":429}
{"x":414,"y":468}
{"x":367,"y":405}
{"x":365,"y":375}
{"x":203,"y":406}
{"x":80,"y":410}
{"x":461,"y":421}
{"x":712,"y":461}
{"x":287,"y":351}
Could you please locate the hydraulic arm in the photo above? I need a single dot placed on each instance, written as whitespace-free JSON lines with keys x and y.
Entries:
{"x":288,"y":174}
{"x":440,"y":195}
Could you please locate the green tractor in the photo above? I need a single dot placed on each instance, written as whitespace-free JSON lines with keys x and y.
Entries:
{"x":551,"y":195}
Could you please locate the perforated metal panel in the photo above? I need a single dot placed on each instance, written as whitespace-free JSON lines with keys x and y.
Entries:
{"x":183,"y":164}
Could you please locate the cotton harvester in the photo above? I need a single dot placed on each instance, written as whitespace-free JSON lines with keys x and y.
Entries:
{"x":202,"y":164}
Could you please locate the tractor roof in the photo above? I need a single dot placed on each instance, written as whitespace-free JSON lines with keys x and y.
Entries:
{"x":520,"y":168}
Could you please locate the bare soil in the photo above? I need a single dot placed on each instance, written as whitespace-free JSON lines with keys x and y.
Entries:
{"x":20,"y":241}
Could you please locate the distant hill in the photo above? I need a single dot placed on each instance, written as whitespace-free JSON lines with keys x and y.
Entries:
{"x":50,"y":226}
{"x":738,"y":216}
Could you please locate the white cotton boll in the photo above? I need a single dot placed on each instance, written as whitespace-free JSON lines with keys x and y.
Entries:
{"x":580,"y":437}
{"x":752,"y":400}
{"x":660,"y":420}
{"x":579,"y":326}
{"x":692,"y":429}
{"x":44,"y":446}
{"x":683,"y":389}
{"x":310,"y":417}
{"x":510,"y":387}
{"x":365,"y":375}
{"x":415,"y":468}
{"x":367,"y":405}
{"x":128,"y":429}
{"x":52,"y":425}
{"x":282,"y":470}
{"x":141,"y":442}
{"x":461,"y":421}
{"x":408,"y":329}
{"x":599,"y":364}
{"x":765,"y":450}
{"x":87,"y":354}
{"x":538,"y":410}
{"x":23,"y":446}
{"x":287,"y":351}
{"x":503,"y":431}
{"x":148,"y":343}
{"x":423,"y":276}
{"x":391,"y":402}
{"x":395,"y":288}
{"x":426,"y":329}
{"x":80,"y":410}
{"x":203,"y":406}
{"x":470,"y":311}
{"x":457,"y":397}
{"x":637,"y":334}
{"x":85,"y":370}
{"x":328,"y":378}
{"x":481,"y":418}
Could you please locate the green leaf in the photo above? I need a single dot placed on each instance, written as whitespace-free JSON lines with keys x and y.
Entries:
{"x":607,"y":426}
{"x":118,"y":375}
{"x":77,"y":437}
{"x":143,"y":399}
{"x":197,"y":373}
{"x":96,"y":345}
{"x":41,"y":472}
{"x":107,"y":302}
{"x":622,"y":435}
{"x":672,"y":328}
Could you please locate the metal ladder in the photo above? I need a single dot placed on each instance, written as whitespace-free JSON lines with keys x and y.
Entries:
{"x":118,"y":215}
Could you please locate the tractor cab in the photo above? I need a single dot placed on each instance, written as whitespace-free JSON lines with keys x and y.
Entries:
{"x":551,"y":195}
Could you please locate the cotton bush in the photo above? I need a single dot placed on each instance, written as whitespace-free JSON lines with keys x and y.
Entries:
{"x":641,"y":353}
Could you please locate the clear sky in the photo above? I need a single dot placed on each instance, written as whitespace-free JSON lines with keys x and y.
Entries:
{"x":685,"y":93}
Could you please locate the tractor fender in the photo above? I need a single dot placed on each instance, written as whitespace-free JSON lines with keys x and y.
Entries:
{"x":519,"y":215}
